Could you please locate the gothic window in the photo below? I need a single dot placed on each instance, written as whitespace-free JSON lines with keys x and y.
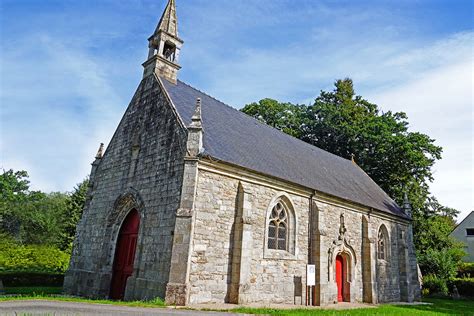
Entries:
{"x":382,"y":243}
{"x":278,"y":228}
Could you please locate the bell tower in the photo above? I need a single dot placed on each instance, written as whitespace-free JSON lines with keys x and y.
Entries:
{"x":164,"y":46}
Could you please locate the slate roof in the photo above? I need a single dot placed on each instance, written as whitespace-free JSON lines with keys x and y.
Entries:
{"x":234,"y":137}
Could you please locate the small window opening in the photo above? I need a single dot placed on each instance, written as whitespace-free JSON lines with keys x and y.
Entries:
{"x":469,"y":231}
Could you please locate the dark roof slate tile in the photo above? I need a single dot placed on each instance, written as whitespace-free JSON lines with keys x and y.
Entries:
{"x":236,"y":138}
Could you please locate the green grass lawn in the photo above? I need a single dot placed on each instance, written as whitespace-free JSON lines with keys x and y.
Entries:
{"x":437,"y":306}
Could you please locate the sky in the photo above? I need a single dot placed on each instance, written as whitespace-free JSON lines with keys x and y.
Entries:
{"x":69,"y":68}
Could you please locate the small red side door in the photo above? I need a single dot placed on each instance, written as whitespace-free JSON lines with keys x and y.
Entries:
{"x":124,"y":255}
{"x":340,"y":278}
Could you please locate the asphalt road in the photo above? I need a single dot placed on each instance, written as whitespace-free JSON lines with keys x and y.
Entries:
{"x":56,"y":308}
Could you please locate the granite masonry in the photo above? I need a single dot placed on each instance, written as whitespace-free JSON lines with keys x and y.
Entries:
{"x":230,"y":210}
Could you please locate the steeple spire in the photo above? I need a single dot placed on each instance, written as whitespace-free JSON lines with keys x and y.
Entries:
{"x":169,"y":22}
{"x":164,"y":46}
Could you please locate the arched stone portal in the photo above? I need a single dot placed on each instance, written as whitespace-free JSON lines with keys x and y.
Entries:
{"x":342,"y":282}
{"x":124,"y":255}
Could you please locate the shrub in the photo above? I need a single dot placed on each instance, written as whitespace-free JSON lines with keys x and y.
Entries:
{"x":465,"y":286}
{"x":466,"y":270}
{"x":31,"y":258}
{"x":433,"y":285}
{"x":442,"y":263}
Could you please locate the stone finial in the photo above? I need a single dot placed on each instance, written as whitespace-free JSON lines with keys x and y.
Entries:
{"x":100,"y":152}
{"x":196,"y":119}
{"x":406,"y":204}
{"x":195,"y":132}
{"x":353,"y":158}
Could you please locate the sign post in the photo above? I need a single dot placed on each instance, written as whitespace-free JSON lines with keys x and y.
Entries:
{"x":310,"y":281}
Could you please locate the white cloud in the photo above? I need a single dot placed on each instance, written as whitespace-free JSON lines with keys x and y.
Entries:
{"x":440,"y":104}
{"x":55,"y":112}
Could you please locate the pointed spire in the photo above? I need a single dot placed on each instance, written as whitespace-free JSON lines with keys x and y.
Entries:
{"x":100,"y":152}
{"x":196,"y":119}
{"x":169,"y":21}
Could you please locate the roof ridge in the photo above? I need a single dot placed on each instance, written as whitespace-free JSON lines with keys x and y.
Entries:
{"x":264,"y":124}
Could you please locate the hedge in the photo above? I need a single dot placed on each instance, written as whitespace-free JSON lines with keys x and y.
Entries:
{"x":32,"y":258}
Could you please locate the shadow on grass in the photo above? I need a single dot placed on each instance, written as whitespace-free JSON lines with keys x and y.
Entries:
{"x":32,"y":290}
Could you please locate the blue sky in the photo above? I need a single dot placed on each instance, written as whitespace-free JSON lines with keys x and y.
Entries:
{"x":69,"y":68}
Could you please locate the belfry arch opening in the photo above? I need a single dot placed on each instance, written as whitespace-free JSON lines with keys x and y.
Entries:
{"x":124,"y":255}
{"x":169,"y":51}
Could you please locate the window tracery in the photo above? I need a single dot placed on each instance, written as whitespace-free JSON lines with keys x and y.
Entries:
{"x":278,"y":228}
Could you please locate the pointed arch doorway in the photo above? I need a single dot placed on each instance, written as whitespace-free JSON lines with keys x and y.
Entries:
{"x":124,"y":255}
{"x":343,"y":285}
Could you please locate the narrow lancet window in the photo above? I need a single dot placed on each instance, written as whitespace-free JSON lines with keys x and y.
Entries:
{"x":382,"y":244}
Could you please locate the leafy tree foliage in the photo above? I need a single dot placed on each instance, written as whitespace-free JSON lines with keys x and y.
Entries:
{"x":13,"y":192}
{"x":34,"y":217}
{"x":73,"y":213}
{"x":286,"y":117}
{"x":398,"y":159}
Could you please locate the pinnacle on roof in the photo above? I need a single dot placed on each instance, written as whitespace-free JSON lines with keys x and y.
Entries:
{"x":169,"y":21}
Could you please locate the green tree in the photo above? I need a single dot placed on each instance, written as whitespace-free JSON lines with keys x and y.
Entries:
{"x":396,"y":158}
{"x":286,"y":117}
{"x":31,"y":217}
{"x":345,"y":124}
{"x":14,"y":186}
{"x":40,"y":217}
{"x":73,"y":213}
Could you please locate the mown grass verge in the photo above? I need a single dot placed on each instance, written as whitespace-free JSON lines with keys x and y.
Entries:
{"x":436,"y":307}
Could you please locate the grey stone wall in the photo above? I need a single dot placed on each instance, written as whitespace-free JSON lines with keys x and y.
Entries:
{"x":143,"y":169}
{"x":263,"y":278}
{"x":230,"y":262}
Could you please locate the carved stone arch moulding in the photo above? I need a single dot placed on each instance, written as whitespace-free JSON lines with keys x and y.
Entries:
{"x":127,"y":201}
{"x":341,"y":246}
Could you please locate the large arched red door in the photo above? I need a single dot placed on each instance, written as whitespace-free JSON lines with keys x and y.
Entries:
{"x":340,"y":278}
{"x":124,"y":255}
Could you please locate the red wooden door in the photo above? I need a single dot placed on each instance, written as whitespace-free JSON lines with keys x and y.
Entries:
{"x":124,"y":255}
{"x":340,"y":278}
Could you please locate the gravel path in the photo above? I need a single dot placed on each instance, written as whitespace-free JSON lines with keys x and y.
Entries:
{"x":56,"y":308}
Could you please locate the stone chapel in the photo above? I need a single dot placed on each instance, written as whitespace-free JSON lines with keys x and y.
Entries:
{"x":195,"y":202}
